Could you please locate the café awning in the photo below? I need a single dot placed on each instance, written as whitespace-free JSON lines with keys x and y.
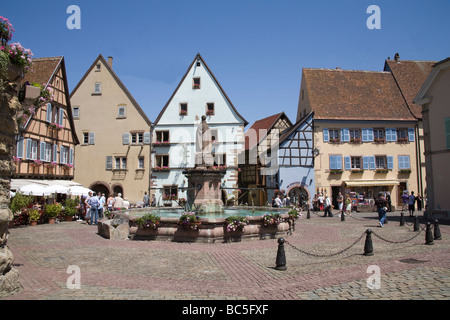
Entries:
{"x":368,"y":183}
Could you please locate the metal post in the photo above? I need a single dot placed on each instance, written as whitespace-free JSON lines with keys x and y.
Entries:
{"x":429,"y":235}
{"x":368,"y":247}
{"x":281,"y":257}
{"x":402,"y":219}
{"x":416,"y":224}
{"x":437,"y":231}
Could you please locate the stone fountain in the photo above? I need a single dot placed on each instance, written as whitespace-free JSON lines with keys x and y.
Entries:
{"x":204,"y":192}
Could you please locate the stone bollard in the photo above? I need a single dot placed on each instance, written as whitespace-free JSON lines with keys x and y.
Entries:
{"x":429,"y":235}
{"x":281,"y":257}
{"x":416,"y":224}
{"x":437,"y":231}
{"x":402,"y":219}
{"x":342,"y":216}
{"x":368,"y":248}
{"x":308,"y":215}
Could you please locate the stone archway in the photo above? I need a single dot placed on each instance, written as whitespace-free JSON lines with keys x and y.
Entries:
{"x":100,"y":187}
{"x":296,"y":192}
{"x":116,"y":189}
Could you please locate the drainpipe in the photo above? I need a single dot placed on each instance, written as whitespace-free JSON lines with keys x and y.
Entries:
{"x":419,"y":159}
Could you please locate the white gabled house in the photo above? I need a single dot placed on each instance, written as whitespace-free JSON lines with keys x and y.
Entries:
{"x":173,"y":134}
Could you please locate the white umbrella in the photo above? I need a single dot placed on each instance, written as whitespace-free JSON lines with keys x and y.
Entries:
{"x":78,"y":191}
{"x":35,"y":190}
{"x":57,"y":188}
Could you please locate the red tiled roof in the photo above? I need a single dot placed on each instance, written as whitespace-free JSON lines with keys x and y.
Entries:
{"x":410,"y":76}
{"x":354,"y":95}
{"x":264,"y":125}
{"x":42,"y":69}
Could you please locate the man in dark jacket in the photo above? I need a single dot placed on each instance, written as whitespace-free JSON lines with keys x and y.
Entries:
{"x":381,"y":204}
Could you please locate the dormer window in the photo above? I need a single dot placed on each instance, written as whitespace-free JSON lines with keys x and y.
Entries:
{"x":210,"y":109}
{"x":183,"y":109}
{"x":97,"y":67}
{"x":196,"y":83}
{"x":97,"y":88}
{"x":122,"y":112}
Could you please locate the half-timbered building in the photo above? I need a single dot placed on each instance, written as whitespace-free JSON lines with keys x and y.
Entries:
{"x":47,"y":137}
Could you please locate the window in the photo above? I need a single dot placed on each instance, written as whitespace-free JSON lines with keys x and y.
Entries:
{"x":33,"y":150}
{"x":183,"y":109}
{"x":162,"y":136}
{"x":402,"y":135}
{"x":97,"y":88}
{"x":367,"y":134}
{"x":403,"y":162}
{"x":170,"y":193}
{"x":64,"y":154}
{"x":334,"y":135}
{"x":120,"y":163}
{"x":48,"y":152}
{"x":141,"y":163}
{"x":355,"y":162}
{"x":355,"y":135}
{"x":98,"y":66}
{"x":214,"y":135}
{"x":196,"y":83}
{"x":162,"y":160}
{"x":210,"y":109}
{"x":76,"y":112}
{"x":137,"y":137}
{"x":88,"y":137}
{"x":378,"y":135}
{"x":380,"y":162}
{"x":122,"y":112}
{"x":391,"y":134}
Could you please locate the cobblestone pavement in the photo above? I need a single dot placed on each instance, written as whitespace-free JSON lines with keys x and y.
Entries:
{"x":162,"y":270}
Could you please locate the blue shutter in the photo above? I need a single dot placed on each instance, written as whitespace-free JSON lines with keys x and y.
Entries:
{"x":126,"y":138}
{"x":372,"y":163}
{"x":370,"y":134}
{"x":55,"y":153}
{"x":332,"y":162}
{"x":147,"y":138}
{"x":348,"y":164}
{"x":391,"y":134}
{"x":364,"y":135}
{"x":61,"y":157}
{"x":91,"y":137}
{"x":28,"y":149}
{"x":345,"y":134}
{"x":42,"y":151}
{"x":49,"y":112}
{"x":390,"y":162}
{"x":61,"y":116}
{"x":326,"y":135}
{"x":406,"y":162}
{"x":19,"y":151}
{"x":71,"y":156}
{"x":366,"y":163}
{"x":411,"y":134}
{"x":339,"y":162}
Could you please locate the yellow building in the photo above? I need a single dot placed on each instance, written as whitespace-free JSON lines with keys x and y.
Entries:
{"x":434,"y":98}
{"x":364,"y":134}
{"x":114,"y":151}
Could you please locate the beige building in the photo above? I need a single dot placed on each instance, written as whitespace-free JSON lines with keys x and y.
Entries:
{"x":434,"y":97}
{"x":114,"y":151}
{"x":364,"y":134}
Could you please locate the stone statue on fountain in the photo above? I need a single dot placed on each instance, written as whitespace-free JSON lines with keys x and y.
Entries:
{"x":203,"y":146}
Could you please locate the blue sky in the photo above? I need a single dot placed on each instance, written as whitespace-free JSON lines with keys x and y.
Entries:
{"x":256,"y":49}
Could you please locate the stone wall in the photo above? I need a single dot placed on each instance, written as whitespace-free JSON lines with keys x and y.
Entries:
{"x":9,"y":106}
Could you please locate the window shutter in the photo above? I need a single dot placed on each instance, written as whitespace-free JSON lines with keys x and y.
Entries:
{"x":19,"y":151}
{"x":391,"y":134}
{"x":326,"y":135}
{"x":390,"y":162}
{"x":61,"y":116}
{"x":364,"y":135}
{"x":348,"y":164}
{"x":42,"y":151}
{"x":372,"y":163}
{"x":406,"y":162}
{"x":339,"y":162}
{"x":345,"y":134}
{"x":61,"y":155}
{"x":55,"y":153}
{"x":49,"y":112}
{"x":147,"y":138}
{"x":411,"y":134}
{"x":28,"y":149}
{"x":71,"y":156}
{"x":333,"y":162}
{"x":366,"y":163}
{"x":109,"y":162}
{"x":91,"y":137}
{"x":126,"y":138}
{"x":370,"y":134}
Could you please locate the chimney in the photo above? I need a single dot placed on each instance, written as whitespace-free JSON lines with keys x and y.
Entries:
{"x":110,"y":61}
{"x":397,"y":57}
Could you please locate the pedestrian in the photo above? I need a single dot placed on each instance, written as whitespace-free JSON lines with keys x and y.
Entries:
{"x":321,"y":199}
{"x":101,"y":205}
{"x":88,"y":208}
{"x":153,"y":204}
{"x":327,"y":207}
{"x":381,"y":204}
{"x":93,"y":204}
{"x":348,"y":206}
{"x":278,"y":202}
{"x":110,"y":202}
{"x":411,"y":202}
{"x":316,"y":203}
{"x":146,"y":200}
{"x":340,"y":200}
{"x":389,"y":202}
{"x":118,"y":202}
{"x":405,"y":199}
{"x":419,"y":202}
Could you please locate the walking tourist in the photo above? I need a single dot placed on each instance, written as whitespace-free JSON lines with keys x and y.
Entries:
{"x":118,"y":202}
{"x":340,"y":201}
{"x":153,"y":204}
{"x":327,"y":207}
{"x":321,"y":199}
{"x":87,"y":216}
{"x":348,"y":206}
{"x":101,"y":205}
{"x":146,"y":199}
{"x":110,"y":202}
{"x":381,"y":204}
{"x":419,"y":202}
{"x":93,"y":204}
{"x":405,"y":199}
{"x":411,"y":202}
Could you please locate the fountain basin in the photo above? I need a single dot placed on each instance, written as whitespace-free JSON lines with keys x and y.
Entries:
{"x":212,"y":228}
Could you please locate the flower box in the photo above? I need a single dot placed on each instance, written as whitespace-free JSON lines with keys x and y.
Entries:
{"x":357,"y":171}
{"x":381,"y":171}
{"x":407,"y":171}
{"x":161,"y":143}
{"x":336,"y":171}
{"x":161,"y":169}
{"x":355,"y":140}
{"x":379,"y":140}
{"x":402,"y":140}
{"x":32,"y":92}
{"x":335,"y":140}
{"x":55,"y":126}
{"x":183,"y":112}
{"x":209,"y":112}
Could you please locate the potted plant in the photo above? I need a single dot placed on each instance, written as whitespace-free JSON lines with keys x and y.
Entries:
{"x":235,"y":223}
{"x":148,"y":220}
{"x":34,"y":216}
{"x":271,"y":219}
{"x":70,"y":209}
{"x":189,"y":220}
{"x":52,"y":211}
{"x":294,"y":214}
